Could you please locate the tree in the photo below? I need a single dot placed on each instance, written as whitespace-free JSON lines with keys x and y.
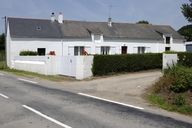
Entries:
{"x":2,"y":42}
{"x":186,"y":31}
{"x":143,"y":22}
{"x":186,"y":9}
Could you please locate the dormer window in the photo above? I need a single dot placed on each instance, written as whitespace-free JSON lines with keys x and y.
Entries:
{"x":168,"y":40}
{"x":97,"y":38}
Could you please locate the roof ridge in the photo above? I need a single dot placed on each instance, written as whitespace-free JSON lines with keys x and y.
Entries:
{"x":87,"y":21}
{"x":28,"y":18}
{"x":113,"y":22}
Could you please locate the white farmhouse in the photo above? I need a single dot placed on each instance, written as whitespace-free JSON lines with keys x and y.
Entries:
{"x":67,"y":37}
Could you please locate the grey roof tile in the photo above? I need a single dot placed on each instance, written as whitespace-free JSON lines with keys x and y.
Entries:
{"x":34,"y":28}
{"x":21,"y":27}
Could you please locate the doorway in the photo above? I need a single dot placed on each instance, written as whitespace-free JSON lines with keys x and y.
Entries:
{"x":124,"y":50}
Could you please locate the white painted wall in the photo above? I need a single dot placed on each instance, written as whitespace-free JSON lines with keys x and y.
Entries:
{"x":178,"y":45}
{"x":48,"y":67}
{"x":83,"y":67}
{"x":169,"y":60}
{"x":37,"y":67}
{"x":114,"y":44}
{"x":18,"y":44}
{"x":66,"y":46}
{"x":51,"y":65}
{"x":8,"y":52}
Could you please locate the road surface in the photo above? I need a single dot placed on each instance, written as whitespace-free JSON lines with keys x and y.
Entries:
{"x":25,"y":103}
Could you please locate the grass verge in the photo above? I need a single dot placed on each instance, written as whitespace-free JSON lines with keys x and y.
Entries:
{"x":2,"y":65}
{"x":56,"y":78}
{"x":162,"y":103}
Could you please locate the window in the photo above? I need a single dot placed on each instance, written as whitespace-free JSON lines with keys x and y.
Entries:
{"x":167,"y":48}
{"x":105,"y":50}
{"x":97,"y":38}
{"x":141,"y":50}
{"x":78,"y":50}
{"x":41,"y":51}
{"x":168,"y":40}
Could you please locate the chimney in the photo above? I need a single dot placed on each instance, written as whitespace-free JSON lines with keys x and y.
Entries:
{"x":109,"y":22}
{"x":60,"y":18}
{"x":52,"y":17}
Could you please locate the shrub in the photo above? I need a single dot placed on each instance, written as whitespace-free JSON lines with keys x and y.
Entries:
{"x":185,"y":59}
{"x":181,"y":78}
{"x":179,"y":99}
{"x":28,"y":53}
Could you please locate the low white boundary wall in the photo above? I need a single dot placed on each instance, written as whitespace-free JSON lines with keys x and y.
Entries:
{"x":49,"y":65}
{"x":169,"y":59}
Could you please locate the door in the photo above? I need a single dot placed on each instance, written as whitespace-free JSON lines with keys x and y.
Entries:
{"x":67,"y":66}
{"x":124,"y":50}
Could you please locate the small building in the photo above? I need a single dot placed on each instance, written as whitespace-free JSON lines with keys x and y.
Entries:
{"x":69,"y":37}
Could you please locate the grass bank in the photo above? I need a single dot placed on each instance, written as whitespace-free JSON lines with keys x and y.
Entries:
{"x":173,"y":91}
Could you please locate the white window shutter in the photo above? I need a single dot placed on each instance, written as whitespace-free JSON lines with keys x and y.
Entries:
{"x":135,"y":49}
{"x":88,"y":49}
{"x":71,"y":50}
{"x":148,"y":49}
{"x":113,"y":49}
{"x":97,"y":49}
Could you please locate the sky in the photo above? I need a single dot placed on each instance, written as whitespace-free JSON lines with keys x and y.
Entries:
{"x":161,"y":12}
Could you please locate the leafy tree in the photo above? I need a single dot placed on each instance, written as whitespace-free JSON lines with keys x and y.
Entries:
{"x":143,"y":22}
{"x":186,"y":31}
{"x":187,"y":11}
{"x":2,"y":42}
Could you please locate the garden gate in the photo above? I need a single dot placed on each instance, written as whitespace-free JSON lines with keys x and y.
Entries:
{"x":67,"y":66}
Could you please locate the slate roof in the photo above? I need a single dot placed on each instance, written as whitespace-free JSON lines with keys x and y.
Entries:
{"x":33,"y":28}
{"x":21,"y":27}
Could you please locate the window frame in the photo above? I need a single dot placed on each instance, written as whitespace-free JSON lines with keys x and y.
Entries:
{"x":40,"y":51}
{"x":78,"y":50}
{"x":105,"y":50}
{"x":167,"y":39}
{"x":97,"y":38}
{"x":141,"y":49}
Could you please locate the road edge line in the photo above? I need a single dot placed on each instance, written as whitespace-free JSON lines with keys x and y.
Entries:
{"x":127,"y":105}
{"x":4,"y":96}
{"x":27,"y":80}
{"x":46,"y":117}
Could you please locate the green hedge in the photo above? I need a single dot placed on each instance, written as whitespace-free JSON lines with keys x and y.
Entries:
{"x":111,"y":64}
{"x":28,"y":53}
{"x":2,"y":55}
{"x":185,"y":58}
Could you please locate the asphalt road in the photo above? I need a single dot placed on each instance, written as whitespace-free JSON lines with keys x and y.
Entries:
{"x":32,"y":104}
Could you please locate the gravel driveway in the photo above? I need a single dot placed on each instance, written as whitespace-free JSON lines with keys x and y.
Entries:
{"x":125,"y":88}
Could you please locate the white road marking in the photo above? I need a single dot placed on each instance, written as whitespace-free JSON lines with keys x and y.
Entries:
{"x":1,"y":74}
{"x":47,"y":117}
{"x":4,"y":96}
{"x":110,"y":101}
{"x":27,"y":81}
